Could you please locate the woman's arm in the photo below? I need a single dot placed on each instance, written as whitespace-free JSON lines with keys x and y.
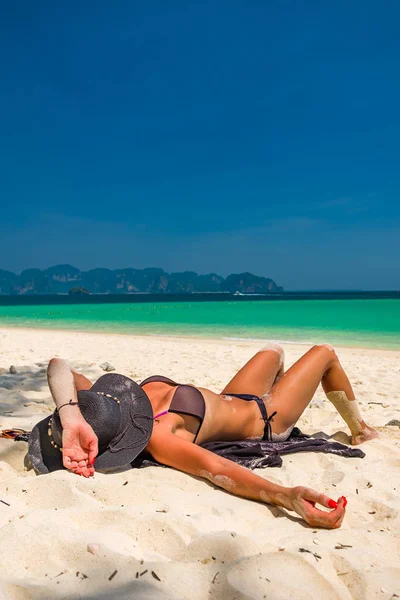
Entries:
{"x":81,"y":382}
{"x":175,"y":452}
{"x":80,"y":446}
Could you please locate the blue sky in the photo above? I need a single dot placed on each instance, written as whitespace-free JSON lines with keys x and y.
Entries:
{"x":209,"y":136}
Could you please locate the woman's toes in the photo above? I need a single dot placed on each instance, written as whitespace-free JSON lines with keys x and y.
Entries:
{"x":368,"y":433}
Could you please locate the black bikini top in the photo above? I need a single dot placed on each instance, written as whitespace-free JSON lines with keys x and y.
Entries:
{"x":187,"y":400}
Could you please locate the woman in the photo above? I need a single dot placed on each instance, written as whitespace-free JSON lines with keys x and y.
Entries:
{"x":262,"y":400}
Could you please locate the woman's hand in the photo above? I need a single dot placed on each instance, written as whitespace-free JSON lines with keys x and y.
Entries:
{"x":302,"y":500}
{"x":80,"y":447}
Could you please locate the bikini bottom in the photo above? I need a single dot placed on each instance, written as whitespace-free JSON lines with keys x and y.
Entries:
{"x":268,"y":436}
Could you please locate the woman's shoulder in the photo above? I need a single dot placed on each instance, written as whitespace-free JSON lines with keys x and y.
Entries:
{"x":169,"y":425}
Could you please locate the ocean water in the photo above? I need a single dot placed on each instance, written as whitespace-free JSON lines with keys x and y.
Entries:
{"x":359,"y":322}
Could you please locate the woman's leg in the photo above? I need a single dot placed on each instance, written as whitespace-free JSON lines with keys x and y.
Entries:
{"x":292,"y":394}
{"x":259,"y":374}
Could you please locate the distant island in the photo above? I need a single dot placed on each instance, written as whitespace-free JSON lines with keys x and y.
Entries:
{"x":66,"y":279}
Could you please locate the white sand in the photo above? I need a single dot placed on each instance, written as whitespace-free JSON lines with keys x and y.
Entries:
{"x":64,"y":536}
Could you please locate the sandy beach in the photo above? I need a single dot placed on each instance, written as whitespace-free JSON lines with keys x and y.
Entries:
{"x":157,"y":533}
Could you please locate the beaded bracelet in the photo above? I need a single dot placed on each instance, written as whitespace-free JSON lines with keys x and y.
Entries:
{"x":70,"y":403}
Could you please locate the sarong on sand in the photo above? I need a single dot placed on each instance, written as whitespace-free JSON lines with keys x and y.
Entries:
{"x":250,"y":453}
{"x":258,"y":454}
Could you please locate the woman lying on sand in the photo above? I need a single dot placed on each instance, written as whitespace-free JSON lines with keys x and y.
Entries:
{"x":108,"y":424}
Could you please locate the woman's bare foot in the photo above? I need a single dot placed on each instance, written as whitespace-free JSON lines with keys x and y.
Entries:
{"x":367,"y":433}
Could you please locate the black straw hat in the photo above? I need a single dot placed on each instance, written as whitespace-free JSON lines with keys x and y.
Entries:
{"x":121,"y":416}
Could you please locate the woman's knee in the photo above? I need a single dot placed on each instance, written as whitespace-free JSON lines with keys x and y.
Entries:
{"x":274,"y":347}
{"x":327,"y":351}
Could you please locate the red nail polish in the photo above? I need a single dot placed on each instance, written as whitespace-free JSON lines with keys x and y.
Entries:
{"x":332,"y":504}
{"x":344,"y":501}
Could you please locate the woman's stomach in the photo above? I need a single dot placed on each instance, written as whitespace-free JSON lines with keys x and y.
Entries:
{"x":228,"y":418}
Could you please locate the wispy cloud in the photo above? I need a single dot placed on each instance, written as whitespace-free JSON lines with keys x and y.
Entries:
{"x":343,"y":204}
{"x":341,"y":201}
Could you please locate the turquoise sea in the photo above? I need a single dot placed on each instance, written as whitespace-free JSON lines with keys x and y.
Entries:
{"x":359,"y":322}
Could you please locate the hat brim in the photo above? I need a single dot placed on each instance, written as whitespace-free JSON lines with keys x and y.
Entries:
{"x":136,"y":421}
{"x":43,"y":456}
{"x":134,"y":432}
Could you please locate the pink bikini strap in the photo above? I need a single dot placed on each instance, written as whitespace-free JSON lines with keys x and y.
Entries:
{"x":160,"y":415}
